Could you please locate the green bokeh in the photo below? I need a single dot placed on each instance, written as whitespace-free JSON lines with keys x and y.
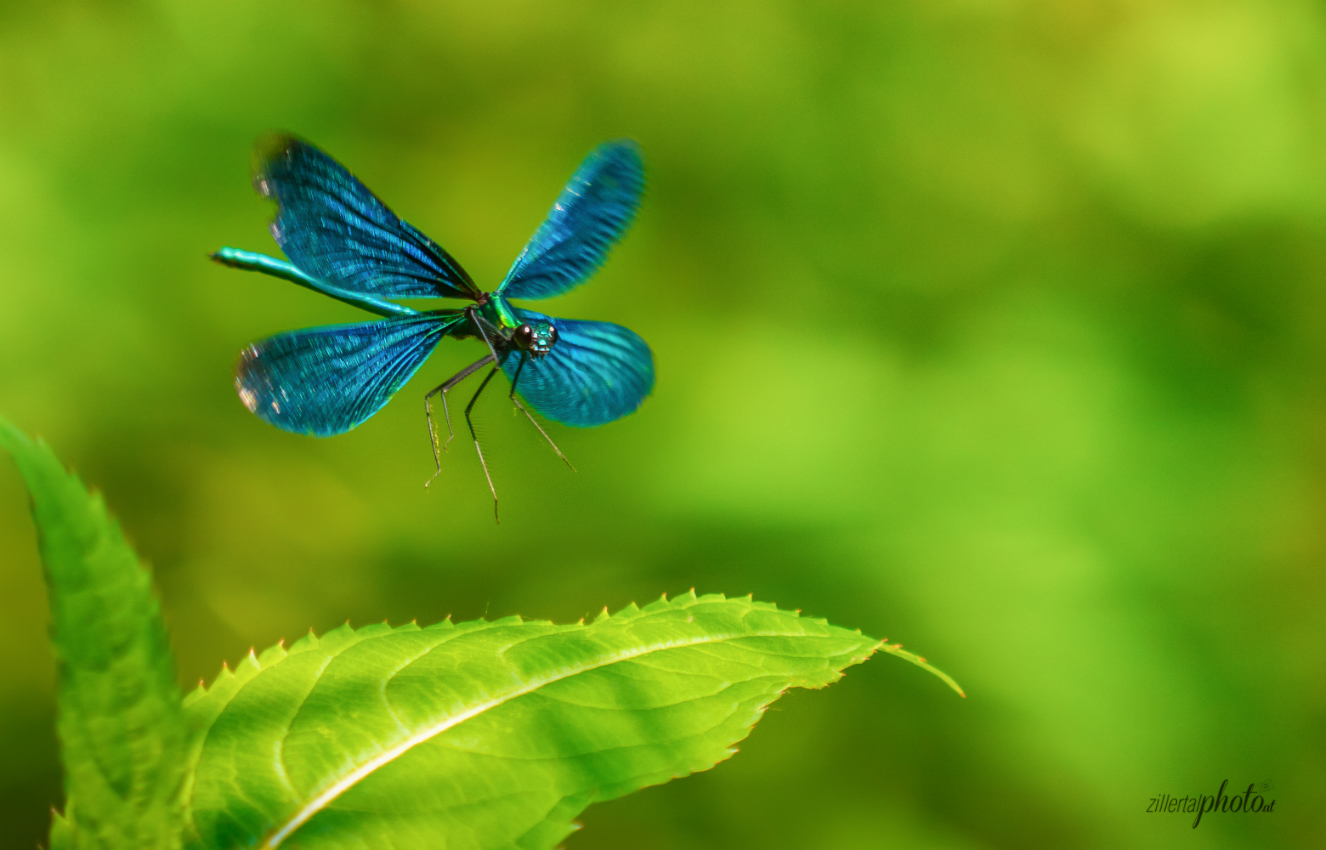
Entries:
{"x":993,"y":327}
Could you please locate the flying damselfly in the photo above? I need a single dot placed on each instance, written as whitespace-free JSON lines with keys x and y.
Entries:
{"x":344,"y":242}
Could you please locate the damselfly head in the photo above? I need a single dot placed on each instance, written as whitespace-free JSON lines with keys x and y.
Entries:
{"x":537,"y":338}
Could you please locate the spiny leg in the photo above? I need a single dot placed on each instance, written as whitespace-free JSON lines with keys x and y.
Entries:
{"x":524,"y":356}
{"x":441,"y":390}
{"x":477,"y":447}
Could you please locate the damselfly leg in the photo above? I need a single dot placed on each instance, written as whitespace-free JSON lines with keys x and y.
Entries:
{"x":524,"y":356}
{"x":469,"y":407}
{"x":487,"y":333}
{"x":441,"y":390}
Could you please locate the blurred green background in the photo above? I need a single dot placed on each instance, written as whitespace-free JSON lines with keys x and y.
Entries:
{"x":994,"y":327}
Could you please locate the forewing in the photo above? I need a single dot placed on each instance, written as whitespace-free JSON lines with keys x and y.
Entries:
{"x":590,"y":215}
{"x":325,"y":381}
{"x":334,"y":229}
{"x":597,"y":372}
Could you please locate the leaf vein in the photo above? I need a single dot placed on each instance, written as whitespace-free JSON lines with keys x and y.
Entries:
{"x":367,"y":768}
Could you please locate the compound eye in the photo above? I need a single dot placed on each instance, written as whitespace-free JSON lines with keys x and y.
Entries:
{"x":552,"y":335}
{"x":524,"y":336}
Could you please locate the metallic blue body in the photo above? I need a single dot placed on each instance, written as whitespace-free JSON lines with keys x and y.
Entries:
{"x":250,"y":261}
{"x":345,"y":243}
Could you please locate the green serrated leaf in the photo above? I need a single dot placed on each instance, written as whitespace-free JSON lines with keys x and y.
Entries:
{"x":488,"y":735}
{"x":118,"y":713}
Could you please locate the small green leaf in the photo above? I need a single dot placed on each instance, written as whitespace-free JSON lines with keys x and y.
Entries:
{"x":488,"y":735}
{"x":118,"y":711}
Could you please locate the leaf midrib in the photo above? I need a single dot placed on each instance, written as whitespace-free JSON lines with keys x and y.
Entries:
{"x":317,"y":804}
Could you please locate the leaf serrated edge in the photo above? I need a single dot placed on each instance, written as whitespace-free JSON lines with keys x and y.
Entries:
{"x":254,"y":663}
{"x":157,"y":777}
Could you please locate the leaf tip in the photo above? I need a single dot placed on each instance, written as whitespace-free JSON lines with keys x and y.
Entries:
{"x":896,"y":649}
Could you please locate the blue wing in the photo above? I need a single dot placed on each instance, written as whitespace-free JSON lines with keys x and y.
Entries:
{"x":334,"y":229}
{"x":590,"y":215}
{"x":597,"y":372}
{"x":325,"y":381}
